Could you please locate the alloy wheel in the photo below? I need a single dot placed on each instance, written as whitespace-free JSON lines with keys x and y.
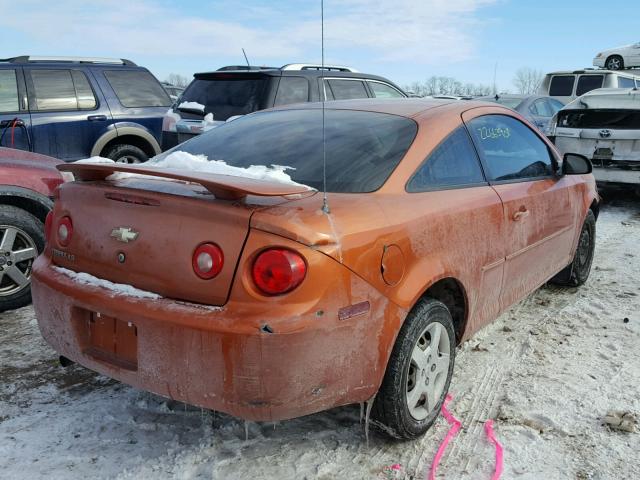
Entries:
{"x":17,"y":253}
{"x":428,"y":370}
{"x":613,"y":64}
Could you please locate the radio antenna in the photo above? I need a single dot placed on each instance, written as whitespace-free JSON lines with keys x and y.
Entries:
{"x":325,"y":202}
{"x":246,"y":59}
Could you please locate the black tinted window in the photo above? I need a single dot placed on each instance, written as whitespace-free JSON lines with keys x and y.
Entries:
{"x":137,"y":88}
{"x":562,"y":85}
{"x":292,"y":90}
{"x":8,"y":91}
{"x":362,"y":148}
{"x":347,"y":89}
{"x":510,"y":149}
{"x":586,"y":83}
{"x":226,"y":96}
{"x":453,"y":163}
{"x":624,"y":82}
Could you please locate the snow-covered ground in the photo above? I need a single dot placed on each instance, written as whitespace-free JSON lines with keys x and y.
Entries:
{"x":548,"y":371}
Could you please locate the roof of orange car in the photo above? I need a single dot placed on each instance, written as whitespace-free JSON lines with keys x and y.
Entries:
{"x":406,"y":107}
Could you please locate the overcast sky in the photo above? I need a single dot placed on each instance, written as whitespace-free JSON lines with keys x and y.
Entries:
{"x":404,"y":40}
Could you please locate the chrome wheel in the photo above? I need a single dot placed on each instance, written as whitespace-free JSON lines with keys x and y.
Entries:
{"x":428,"y":370}
{"x":614,"y":63}
{"x":17,"y":253}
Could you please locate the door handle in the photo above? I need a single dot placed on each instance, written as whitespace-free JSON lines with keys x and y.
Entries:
{"x":520,"y":214}
{"x":97,"y":118}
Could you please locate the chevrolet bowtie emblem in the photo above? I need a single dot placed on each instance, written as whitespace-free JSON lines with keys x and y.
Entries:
{"x":124,"y":234}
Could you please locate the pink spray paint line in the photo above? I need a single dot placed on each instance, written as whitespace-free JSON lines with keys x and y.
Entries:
{"x":453,"y":430}
{"x":488,"y":428}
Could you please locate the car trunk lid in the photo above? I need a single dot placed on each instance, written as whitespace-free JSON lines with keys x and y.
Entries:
{"x":143,"y":230}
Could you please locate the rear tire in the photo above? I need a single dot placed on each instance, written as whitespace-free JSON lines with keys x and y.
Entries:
{"x":125,"y":153}
{"x":21,"y":240}
{"x":418,"y":373}
{"x":577,"y":272}
{"x":614,"y":62}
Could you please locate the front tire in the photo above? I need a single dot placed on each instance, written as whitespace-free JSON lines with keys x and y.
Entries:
{"x":21,"y":240}
{"x":577,"y":272}
{"x":614,"y":62}
{"x":418,"y":373}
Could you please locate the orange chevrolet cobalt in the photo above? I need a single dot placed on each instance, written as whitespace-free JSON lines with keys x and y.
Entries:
{"x":233,"y":274}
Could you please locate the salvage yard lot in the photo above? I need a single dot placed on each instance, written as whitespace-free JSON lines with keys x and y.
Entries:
{"x":548,"y":370}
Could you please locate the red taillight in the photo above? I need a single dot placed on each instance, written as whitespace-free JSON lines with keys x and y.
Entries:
{"x":65,"y":231}
{"x":207,"y":261}
{"x":47,"y":226}
{"x":277,"y":271}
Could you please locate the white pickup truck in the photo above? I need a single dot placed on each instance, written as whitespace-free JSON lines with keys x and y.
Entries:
{"x":604,"y":126}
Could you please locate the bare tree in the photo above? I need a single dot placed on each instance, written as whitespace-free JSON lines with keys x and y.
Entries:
{"x":528,"y":80}
{"x":447,"y":86}
{"x":177,"y":80}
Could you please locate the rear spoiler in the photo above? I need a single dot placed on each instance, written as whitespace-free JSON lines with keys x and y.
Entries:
{"x":226,"y":187}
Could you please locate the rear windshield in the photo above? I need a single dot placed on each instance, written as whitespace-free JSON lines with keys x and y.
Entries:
{"x":137,"y":88}
{"x":616,"y":119}
{"x":362,"y":148}
{"x":509,"y":102}
{"x":227,"y":97}
{"x":586,"y":83}
{"x":562,"y":85}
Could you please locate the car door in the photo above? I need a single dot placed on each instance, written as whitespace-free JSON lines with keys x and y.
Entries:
{"x":15,"y":121}
{"x":538,"y":216}
{"x":633,"y":56}
{"x":66,"y":114}
{"x":457,"y":224}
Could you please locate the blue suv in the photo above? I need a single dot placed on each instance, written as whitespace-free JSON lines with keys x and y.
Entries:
{"x":72,"y":108}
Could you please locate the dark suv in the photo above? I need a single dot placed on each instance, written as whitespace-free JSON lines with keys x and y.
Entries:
{"x":214,"y":97}
{"x":72,"y":108}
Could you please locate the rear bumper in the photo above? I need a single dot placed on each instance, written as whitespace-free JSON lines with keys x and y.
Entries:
{"x":221,"y":358}
{"x":616,"y":175}
{"x":171,"y":139}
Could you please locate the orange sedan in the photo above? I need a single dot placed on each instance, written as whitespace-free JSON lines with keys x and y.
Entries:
{"x":215,"y":277}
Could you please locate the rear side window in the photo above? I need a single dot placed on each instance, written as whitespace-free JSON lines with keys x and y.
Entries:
{"x":554,"y":105}
{"x":292,"y":90}
{"x":540,"y":108}
{"x":380,"y":90}
{"x":62,"y":90}
{"x":347,"y":89}
{"x":8,"y":91}
{"x":562,"y":85}
{"x":453,"y":163}
{"x":137,"y":88}
{"x":362,"y":148}
{"x":624,"y":82}
{"x":586,"y":83}
{"x":84,"y":93}
{"x":510,"y":149}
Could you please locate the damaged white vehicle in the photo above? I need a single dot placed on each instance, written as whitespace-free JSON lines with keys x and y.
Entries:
{"x":619,"y":58}
{"x":604,"y":126}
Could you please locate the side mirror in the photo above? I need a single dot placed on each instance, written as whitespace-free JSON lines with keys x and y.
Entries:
{"x":574,"y":164}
